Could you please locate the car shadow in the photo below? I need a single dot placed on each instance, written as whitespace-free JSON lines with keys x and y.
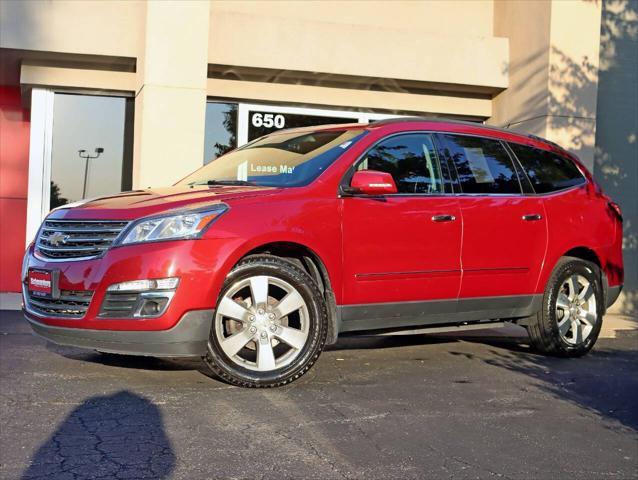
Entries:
{"x":136,"y":362}
{"x":374,"y":342}
{"x":111,"y":436}
{"x":603,"y":382}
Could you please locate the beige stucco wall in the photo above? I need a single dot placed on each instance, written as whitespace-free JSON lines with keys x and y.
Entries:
{"x":573,"y":76}
{"x":440,"y":17}
{"x":553,"y":72}
{"x":351,"y":99}
{"x":78,"y":78}
{"x":170,"y":101}
{"x":463,"y":55}
{"x":424,"y":41}
{"x":94,"y":27}
{"x":525,"y":103}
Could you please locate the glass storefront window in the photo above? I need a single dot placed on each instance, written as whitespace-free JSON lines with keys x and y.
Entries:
{"x":220,"y":130}
{"x":262,"y":123}
{"x":91,"y":152}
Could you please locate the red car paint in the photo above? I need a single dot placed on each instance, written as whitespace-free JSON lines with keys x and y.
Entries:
{"x":368,"y":253}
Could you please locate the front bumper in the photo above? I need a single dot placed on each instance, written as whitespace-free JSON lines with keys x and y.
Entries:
{"x":188,"y":338}
{"x":200,"y":265}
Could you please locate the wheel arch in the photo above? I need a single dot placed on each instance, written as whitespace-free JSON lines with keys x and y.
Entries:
{"x":582,"y":253}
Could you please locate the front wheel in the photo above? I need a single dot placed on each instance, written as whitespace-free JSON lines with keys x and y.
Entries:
{"x":572,"y":314}
{"x":270,"y":324}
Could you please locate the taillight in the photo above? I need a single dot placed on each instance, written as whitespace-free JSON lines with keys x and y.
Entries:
{"x":616,"y":209}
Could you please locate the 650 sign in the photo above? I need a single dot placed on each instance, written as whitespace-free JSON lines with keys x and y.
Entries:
{"x":267,"y":120}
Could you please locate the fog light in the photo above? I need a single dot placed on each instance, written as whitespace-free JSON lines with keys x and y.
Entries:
{"x":152,"y":307}
{"x":147,"y":298}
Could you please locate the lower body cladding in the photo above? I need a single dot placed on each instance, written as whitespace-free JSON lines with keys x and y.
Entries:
{"x":189,"y":337}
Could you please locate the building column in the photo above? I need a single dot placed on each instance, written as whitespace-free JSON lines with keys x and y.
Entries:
{"x":573,"y":77}
{"x":553,"y":73}
{"x":170,"y":102}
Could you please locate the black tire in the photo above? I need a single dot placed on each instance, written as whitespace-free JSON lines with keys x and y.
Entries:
{"x":255,"y":265}
{"x":543,"y":327}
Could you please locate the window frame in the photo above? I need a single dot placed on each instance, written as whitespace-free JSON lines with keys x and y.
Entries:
{"x":529,"y":181}
{"x":452,"y":167}
{"x":446,"y":177}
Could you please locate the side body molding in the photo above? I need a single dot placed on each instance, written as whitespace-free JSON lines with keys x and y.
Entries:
{"x":435,"y":312}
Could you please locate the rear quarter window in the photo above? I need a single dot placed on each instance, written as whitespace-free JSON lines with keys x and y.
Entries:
{"x":548,"y":171}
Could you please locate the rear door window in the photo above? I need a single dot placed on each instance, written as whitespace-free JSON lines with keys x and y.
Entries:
{"x":548,"y":171}
{"x":482,"y":165}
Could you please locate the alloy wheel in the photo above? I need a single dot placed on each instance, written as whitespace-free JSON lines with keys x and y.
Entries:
{"x":262,"y":323}
{"x":576,"y":310}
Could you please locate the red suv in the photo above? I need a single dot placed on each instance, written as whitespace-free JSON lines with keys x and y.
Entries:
{"x":259,"y":259}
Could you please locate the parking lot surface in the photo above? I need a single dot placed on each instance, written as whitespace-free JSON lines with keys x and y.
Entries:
{"x":395,"y":407}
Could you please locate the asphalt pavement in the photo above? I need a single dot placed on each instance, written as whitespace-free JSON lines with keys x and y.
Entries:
{"x":404,"y":407}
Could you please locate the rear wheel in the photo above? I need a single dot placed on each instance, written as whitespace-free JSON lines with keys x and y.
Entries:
{"x":572,"y":313}
{"x":269,"y":326}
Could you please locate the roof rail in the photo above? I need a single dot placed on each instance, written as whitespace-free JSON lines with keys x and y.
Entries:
{"x":466,"y":123}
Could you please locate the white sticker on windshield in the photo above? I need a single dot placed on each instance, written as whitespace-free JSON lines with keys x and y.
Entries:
{"x":345,"y":145}
{"x":242,"y":171}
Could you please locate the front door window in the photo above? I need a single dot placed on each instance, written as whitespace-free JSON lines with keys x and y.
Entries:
{"x":412,"y":161}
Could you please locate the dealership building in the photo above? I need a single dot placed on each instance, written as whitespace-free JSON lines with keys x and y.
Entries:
{"x":97,"y":97}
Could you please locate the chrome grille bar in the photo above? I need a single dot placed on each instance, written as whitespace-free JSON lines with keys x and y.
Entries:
{"x":77,"y":239}
{"x":71,"y":304}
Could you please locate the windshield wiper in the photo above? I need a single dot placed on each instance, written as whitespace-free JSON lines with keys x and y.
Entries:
{"x":226,"y":182}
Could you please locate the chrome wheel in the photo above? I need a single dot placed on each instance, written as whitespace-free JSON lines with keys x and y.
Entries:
{"x":576,"y":310}
{"x":262,"y":323}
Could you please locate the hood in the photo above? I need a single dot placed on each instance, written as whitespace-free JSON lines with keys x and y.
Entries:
{"x":141,"y":203}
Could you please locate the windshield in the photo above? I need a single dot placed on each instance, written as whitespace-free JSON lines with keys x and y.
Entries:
{"x":281,"y":160}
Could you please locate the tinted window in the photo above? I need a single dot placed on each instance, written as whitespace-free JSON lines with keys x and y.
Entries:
{"x":482,"y":165}
{"x":411,"y":160}
{"x":547,"y":171}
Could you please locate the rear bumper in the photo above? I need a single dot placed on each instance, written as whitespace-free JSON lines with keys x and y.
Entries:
{"x":188,"y":338}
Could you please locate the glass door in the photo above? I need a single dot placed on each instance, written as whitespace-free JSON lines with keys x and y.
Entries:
{"x":81,"y":147}
{"x":89,"y":155}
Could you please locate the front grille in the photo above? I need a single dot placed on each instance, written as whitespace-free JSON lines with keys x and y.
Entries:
{"x":71,"y":304}
{"x":75,"y":239}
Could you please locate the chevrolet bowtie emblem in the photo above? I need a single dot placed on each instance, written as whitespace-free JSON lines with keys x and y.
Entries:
{"x":58,"y":239}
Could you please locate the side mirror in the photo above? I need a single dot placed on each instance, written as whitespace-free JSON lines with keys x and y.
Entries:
{"x":372,"y":182}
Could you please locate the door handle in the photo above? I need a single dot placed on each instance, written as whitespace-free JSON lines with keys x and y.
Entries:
{"x":443,"y":218}
{"x":532,"y":217}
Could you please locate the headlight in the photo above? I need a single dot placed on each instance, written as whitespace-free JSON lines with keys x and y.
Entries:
{"x":189,"y":224}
